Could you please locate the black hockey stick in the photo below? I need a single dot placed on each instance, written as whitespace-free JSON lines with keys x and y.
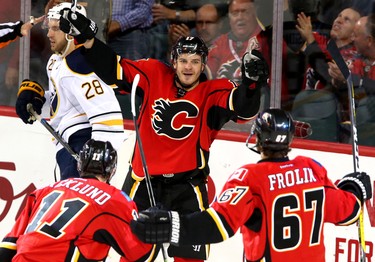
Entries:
{"x":53,"y":132}
{"x":143,"y":158}
{"x":336,"y":56}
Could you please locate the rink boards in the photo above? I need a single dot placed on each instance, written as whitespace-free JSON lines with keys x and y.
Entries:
{"x":27,"y":162}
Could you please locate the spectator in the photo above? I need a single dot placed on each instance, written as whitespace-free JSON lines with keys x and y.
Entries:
{"x":316,"y":46}
{"x":279,"y":204}
{"x":246,"y":33}
{"x":296,"y":66}
{"x":78,"y":219}
{"x":128,"y":29}
{"x":363,"y":77}
{"x":180,"y":11}
{"x":180,"y":116}
{"x":81,"y":105}
{"x":208,"y":25}
{"x":166,"y":13}
{"x":362,"y":68}
{"x":311,"y":8}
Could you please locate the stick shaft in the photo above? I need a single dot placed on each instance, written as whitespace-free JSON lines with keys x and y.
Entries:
{"x":143,"y":158}
{"x":52,"y":132}
{"x":336,"y":56}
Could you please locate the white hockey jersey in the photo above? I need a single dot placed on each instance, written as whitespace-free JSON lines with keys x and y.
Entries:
{"x":79,"y":99}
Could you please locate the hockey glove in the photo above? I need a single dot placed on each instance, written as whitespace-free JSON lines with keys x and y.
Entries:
{"x":77,"y":25}
{"x":157,"y":226}
{"x":254,"y":68}
{"x":358,"y":183}
{"x":30,"y":92}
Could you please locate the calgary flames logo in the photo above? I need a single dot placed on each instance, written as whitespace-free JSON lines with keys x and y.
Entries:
{"x":174,"y":119}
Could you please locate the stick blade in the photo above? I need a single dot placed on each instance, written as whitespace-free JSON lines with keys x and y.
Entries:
{"x":132,"y":94}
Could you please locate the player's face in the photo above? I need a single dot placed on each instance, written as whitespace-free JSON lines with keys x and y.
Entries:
{"x":188,"y":68}
{"x":56,"y":37}
{"x":343,"y":26}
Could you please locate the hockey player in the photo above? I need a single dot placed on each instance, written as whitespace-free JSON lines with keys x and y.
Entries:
{"x":179,"y":119}
{"x":78,"y":219}
{"x":81,"y":105}
{"x":10,"y":31}
{"x":280,"y":204}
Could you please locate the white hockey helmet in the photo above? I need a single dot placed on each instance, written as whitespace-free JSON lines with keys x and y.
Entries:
{"x":54,"y":12}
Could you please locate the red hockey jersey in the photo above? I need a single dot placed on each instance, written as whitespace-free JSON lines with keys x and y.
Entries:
{"x":169,"y":124}
{"x":76,"y":220}
{"x":280,"y":206}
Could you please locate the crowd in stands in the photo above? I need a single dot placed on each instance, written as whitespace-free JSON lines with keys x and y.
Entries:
{"x":148,"y":29}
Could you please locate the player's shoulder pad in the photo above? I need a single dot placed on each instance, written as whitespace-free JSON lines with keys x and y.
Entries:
{"x":77,"y":63}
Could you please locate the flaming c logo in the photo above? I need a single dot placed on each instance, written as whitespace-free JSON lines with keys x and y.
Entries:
{"x":175,"y":119}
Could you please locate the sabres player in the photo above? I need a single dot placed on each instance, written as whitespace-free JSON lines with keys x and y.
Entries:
{"x":279,"y":204}
{"x":181,"y":115}
{"x":81,"y":105}
{"x":78,"y":219}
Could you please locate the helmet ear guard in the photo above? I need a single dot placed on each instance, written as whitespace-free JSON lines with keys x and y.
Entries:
{"x":98,"y":157}
{"x":190,"y":45}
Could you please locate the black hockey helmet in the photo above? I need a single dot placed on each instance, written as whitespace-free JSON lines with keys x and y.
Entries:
{"x":98,"y":157}
{"x":274,"y":129}
{"x":190,"y":45}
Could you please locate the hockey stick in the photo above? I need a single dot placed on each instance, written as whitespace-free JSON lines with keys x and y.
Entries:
{"x":143,"y":158}
{"x":337,"y":58}
{"x":50,"y":129}
{"x":74,"y":6}
{"x":145,"y":170}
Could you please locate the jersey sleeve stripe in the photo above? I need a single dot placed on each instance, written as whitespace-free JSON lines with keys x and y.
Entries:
{"x":218,"y":223}
{"x":8,"y":245}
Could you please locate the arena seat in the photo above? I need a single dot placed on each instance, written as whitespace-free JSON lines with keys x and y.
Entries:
{"x":319,"y":108}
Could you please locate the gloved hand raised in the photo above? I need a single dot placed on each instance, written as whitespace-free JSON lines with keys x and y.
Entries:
{"x":30,"y":92}
{"x":254,"y":68}
{"x":358,"y":183}
{"x":157,"y":226}
{"x":77,"y":25}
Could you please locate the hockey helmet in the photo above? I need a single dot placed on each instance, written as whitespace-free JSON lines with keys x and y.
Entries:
{"x":190,"y":45}
{"x":55,"y":12}
{"x":274,"y":129}
{"x":98,"y":157}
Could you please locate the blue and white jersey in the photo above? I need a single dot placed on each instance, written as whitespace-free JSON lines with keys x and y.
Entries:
{"x":79,"y":99}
